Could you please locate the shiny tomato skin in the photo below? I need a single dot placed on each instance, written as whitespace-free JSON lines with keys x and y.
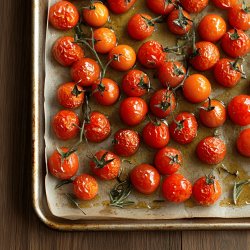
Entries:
{"x":160,"y":7}
{"x":120,"y":6}
{"x":243,"y":142}
{"x":133,"y":110}
{"x":239,"y":110}
{"x":98,"y":128}
{"x":63,"y":15}
{"x":176,"y":188}
{"x":185,"y":131}
{"x":65,"y":123}
{"x":145,"y":178}
{"x":224,"y":4}
{"x":168,"y":160}
{"x":85,"y":187}
{"x":194,"y":6}
{"x":126,"y":142}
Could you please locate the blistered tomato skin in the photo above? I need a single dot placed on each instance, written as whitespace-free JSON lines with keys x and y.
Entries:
{"x":224,"y":4}
{"x":243,"y":142}
{"x":120,"y":6}
{"x":161,"y":7}
{"x":194,"y":6}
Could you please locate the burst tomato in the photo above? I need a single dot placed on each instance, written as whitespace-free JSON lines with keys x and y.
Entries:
{"x":194,"y":6}
{"x":243,"y":142}
{"x":120,"y":6}
{"x":161,"y":7}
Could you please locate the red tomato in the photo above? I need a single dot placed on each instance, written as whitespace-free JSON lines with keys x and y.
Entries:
{"x":65,"y":124}
{"x":243,"y":142}
{"x":98,"y":128}
{"x":151,"y":55}
{"x":206,"y":190}
{"x":162,"y":103}
{"x":168,"y":160}
{"x":63,"y":15}
{"x":211,"y":150}
{"x":120,"y":6}
{"x":224,"y":4}
{"x":133,"y":110}
{"x":194,"y":6}
{"x":239,"y":110}
{"x":106,"y":92}
{"x":184,"y":128}
{"x":176,"y":188}
{"x":85,"y":187}
{"x":145,"y":178}
{"x":85,"y":72}
{"x":62,"y":165}
{"x":126,"y":142}
{"x":106,"y":165}
{"x":161,"y":7}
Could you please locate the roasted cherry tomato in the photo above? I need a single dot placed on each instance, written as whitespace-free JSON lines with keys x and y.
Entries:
{"x":156,"y":134}
{"x":176,"y":188}
{"x":135,"y":83}
{"x":196,"y":88}
{"x":239,"y":110}
{"x":179,"y":22}
{"x":85,"y":187}
{"x":151,"y":55}
{"x":133,"y":110}
{"x":171,"y":74}
{"x":62,"y":164}
{"x":123,"y":56}
{"x":224,"y":4}
{"x":184,"y":128}
{"x":105,"y":40}
{"x":96,"y":14}
{"x":206,"y":190}
{"x":106,"y":92}
{"x":85,"y":72}
{"x":168,"y":160}
{"x":66,"y":52}
{"x":204,"y":56}
{"x":120,"y":6}
{"x":162,"y":103}
{"x":63,"y":15}
{"x":106,"y":165}
{"x":126,"y":142}
{"x":145,"y":178}
{"x":235,"y":43}
{"x":161,"y":7}
{"x":194,"y":6}
{"x":70,"y":95}
{"x":212,"y":27}
{"x":98,"y":127}
{"x":213,"y":113}
{"x":211,"y":150}
{"x":65,"y":124}
{"x":243,"y":142}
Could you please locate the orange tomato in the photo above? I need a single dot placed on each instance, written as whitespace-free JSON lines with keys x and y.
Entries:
{"x":120,"y":6}
{"x":224,"y":4}
{"x":194,"y":6}
{"x":161,"y":7}
{"x":243,"y":142}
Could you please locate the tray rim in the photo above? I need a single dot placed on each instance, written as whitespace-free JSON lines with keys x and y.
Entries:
{"x":97,"y":225}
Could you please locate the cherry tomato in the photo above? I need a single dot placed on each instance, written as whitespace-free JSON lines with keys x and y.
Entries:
{"x":211,"y":150}
{"x":176,"y":188}
{"x":120,"y":6}
{"x":133,"y":110}
{"x":224,"y":4}
{"x":213,"y":113}
{"x":206,"y":190}
{"x":85,"y":187}
{"x":96,"y":15}
{"x":145,"y":178}
{"x":171,"y":74}
{"x":179,"y":22}
{"x":168,"y":160}
{"x":205,"y":56}
{"x":62,"y":165}
{"x":70,"y":95}
{"x":156,"y":134}
{"x":162,"y":103}
{"x":161,"y":7}
{"x":126,"y":142}
{"x":106,"y":92}
{"x":106,"y":165}
{"x":135,"y":83}
{"x":65,"y":124}
{"x":243,"y":142}
{"x":123,"y":56}
{"x":184,"y":128}
{"x":196,"y":88}
{"x":85,"y":72}
{"x":194,"y":6}
{"x":98,"y":128}
{"x":235,"y":43}
{"x":212,"y":27}
{"x":105,"y":40}
{"x":63,"y":15}
{"x":239,"y":110}
{"x":151,"y":55}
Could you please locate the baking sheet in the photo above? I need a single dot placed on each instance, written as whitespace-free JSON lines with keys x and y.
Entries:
{"x":144,"y":207}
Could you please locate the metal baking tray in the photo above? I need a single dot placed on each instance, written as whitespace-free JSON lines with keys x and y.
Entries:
{"x":39,"y":15}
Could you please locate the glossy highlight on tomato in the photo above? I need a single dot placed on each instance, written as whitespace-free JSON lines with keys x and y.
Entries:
{"x":224,"y":4}
{"x":161,"y":7}
{"x":120,"y":6}
{"x":194,"y":6}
